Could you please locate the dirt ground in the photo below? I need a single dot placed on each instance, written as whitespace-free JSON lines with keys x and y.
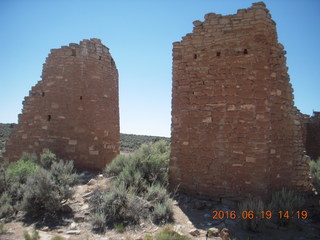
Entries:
{"x":189,"y":214}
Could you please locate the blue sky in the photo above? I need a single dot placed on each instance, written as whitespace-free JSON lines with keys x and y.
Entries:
{"x":140,"y":36}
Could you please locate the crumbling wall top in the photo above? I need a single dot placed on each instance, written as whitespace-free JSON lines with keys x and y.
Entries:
{"x":86,"y":47}
{"x":219,"y":22}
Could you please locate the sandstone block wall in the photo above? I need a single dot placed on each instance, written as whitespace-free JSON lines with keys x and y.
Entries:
{"x":313,"y":136}
{"x":73,"y":110}
{"x":235,"y":129}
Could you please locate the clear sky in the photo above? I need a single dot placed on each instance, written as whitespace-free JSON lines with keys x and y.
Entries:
{"x":140,"y":36}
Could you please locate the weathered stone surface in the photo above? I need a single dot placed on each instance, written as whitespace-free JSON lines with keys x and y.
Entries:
{"x":313,"y":136}
{"x":92,"y":182}
{"x":194,"y":232}
{"x":73,"y":232}
{"x":235,"y":130}
{"x":225,"y":234}
{"x":66,"y":208}
{"x":73,"y":110}
{"x":78,"y":217}
{"x":213,"y":232}
{"x":73,"y":226}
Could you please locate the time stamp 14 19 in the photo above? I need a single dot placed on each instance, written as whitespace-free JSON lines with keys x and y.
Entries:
{"x":219,"y":214}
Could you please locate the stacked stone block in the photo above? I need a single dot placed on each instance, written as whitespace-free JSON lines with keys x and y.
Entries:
{"x":235,"y":129}
{"x":74,"y":110}
{"x":313,"y":136}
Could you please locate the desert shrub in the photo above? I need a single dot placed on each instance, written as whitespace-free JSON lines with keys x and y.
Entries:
{"x":46,"y":189}
{"x":13,"y":177}
{"x":41,"y":194}
{"x":16,"y":176}
{"x":168,"y":234}
{"x":145,"y":167}
{"x":119,"y":227}
{"x":139,"y":188}
{"x":255,"y":205}
{"x":156,"y":193}
{"x":162,"y":205}
{"x":29,"y":157}
{"x":6,"y":209}
{"x":33,"y":188}
{"x":120,"y":204}
{"x":136,"y":208}
{"x":285,"y":200}
{"x":47,"y":158}
{"x":109,"y":204}
{"x":57,"y":238}
{"x":315,"y":173}
{"x":151,"y":160}
{"x":131,"y":177}
{"x":2,"y":229}
{"x":19,"y":171}
{"x":63,"y":172}
{"x":148,"y":237}
{"x":33,"y":236}
{"x":116,"y":166}
{"x":3,"y":184}
{"x":64,"y":176}
{"x":163,"y":212}
{"x":155,"y":160}
{"x":98,"y":221}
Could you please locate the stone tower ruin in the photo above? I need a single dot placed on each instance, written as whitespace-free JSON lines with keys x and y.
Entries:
{"x":74,"y":110}
{"x":235,"y":129}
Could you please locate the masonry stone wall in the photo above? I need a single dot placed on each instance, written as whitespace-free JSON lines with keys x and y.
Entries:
{"x":235,"y":129}
{"x":73,"y":110}
{"x":313,"y":136}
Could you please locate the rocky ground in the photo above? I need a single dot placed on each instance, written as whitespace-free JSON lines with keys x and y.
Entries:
{"x":192,"y":217}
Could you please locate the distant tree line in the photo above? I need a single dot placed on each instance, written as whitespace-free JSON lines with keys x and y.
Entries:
{"x":5,"y":130}
{"x":131,"y":142}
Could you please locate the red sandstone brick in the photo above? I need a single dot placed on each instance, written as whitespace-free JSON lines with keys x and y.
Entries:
{"x":71,"y":108}
{"x":241,"y":78}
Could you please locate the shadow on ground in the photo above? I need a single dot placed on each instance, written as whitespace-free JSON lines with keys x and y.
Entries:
{"x":200,"y":214}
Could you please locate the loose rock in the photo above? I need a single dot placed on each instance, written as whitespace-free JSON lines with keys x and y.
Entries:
{"x":224,"y":234}
{"x":194,"y":232}
{"x":92,"y":182}
{"x":73,"y":226}
{"x":73,"y":232}
{"x":66,"y":208}
{"x":197,"y":23}
{"x":88,"y":194}
{"x":78,"y":217}
{"x":213,"y":232}
{"x":45,"y":229}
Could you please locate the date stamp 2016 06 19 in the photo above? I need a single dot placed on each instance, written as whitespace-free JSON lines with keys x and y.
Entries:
{"x":219,"y":214}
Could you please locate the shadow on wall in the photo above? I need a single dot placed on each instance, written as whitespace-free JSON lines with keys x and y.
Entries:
{"x":313,"y":136}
